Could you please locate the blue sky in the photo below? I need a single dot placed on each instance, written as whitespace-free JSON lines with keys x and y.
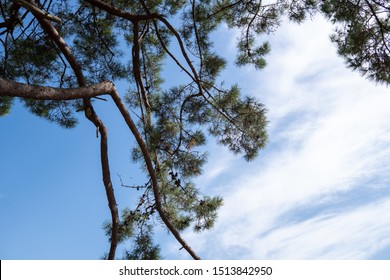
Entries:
{"x":320,"y":189}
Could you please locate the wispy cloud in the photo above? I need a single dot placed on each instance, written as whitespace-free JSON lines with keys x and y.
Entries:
{"x":353,"y":234}
{"x":321,"y":188}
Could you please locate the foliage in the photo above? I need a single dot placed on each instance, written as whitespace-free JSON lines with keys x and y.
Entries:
{"x":131,"y":41}
{"x":143,"y":249}
{"x":362,"y":35}
{"x":362,"y":32}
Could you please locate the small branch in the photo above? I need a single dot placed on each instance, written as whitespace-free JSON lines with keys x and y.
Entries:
{"x":381,"y":27}
{"x":164,"y":46}
{"x":227,"y":7}
{"x":183,"y":51}
{"x":197,"y":39}
{"x":137,"y":66}
{"x":131,"y":187}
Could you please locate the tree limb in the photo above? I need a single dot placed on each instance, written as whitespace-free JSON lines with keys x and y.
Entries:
{"x":16,"y":89}
{"x":11,"y":88}
{"x":133,"y":127}
{"x":37,"y":11}
{"x":151,"y":170}
{"x":118,"y":12}
{"x":92,"y":116}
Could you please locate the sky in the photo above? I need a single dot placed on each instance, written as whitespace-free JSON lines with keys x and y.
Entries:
{"x":319,"y":190}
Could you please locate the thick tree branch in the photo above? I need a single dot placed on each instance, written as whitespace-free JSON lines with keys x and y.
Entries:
{"x":92,"y":116}
{"x":132,"y":126}
{"x":52,"y":32}
{"x":15,"y":89}
{"x":37,"y":11}
{"x":152,"y":172}
{"x":11,"y":88}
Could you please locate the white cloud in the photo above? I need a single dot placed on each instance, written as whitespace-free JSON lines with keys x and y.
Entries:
{"x":353,"y":234}
{"x":317,"y":191}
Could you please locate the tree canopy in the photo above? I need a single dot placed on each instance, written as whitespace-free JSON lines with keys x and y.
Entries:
{"x":62,"y":57}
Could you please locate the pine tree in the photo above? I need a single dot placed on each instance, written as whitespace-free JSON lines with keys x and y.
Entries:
{"x":61,"y":57}
{"x":57,"y":57}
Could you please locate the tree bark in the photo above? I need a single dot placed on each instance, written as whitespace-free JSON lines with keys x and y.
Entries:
{"x":16,"y":89}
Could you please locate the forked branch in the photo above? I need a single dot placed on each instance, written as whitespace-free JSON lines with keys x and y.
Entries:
{"x":90,"y":114}
{"x":11,"y":88}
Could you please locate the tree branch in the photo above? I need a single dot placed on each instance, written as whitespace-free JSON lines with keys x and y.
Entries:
{"x":92,"y":116}
{"x":381,"y":27}
{"x":15,"y":89}
{"x":133,"y":127}
{"x":120,"y":13}
{"x":151,"y":170}
{"x":11,"y":88}
{"x":37,"y":11}
{"x":137,"y":66}
{"x":13,"y":20}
